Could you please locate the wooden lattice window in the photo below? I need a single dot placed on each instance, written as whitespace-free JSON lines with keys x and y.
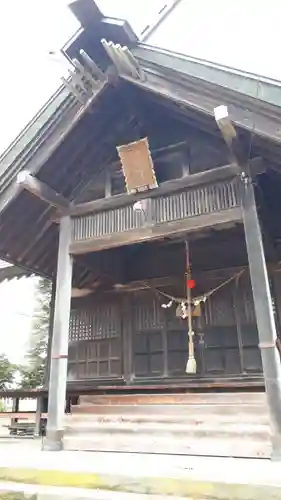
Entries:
{"x":147,"y":313}
{"x":102,"y":322}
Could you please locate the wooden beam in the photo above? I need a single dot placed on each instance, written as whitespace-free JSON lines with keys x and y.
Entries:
{"x":264,"y":311}
{"x":236,"y":149}
{"x":209,"y":176}
{"x":193,"y":96}
{"x":59,"y":350}
{"x":158,"y":231}
{"x":260,"y":282}
{"x":42,"y":191}
{"x":146,"y":283}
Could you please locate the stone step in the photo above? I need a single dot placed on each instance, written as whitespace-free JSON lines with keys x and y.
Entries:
{"x":177,"y":418}
{"x":147,"y":409}
{"x":202,"y":446}
{"x":183,"y":431}
{"x":174,"y":399}
{"x":226,"y":424}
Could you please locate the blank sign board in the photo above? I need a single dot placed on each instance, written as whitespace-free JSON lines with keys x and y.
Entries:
{"x":137,"y":166}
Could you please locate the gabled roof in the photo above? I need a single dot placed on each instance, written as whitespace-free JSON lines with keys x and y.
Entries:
{"x":257,"y":107}
{"x":248,"y":84}
{"x":182,"y":85}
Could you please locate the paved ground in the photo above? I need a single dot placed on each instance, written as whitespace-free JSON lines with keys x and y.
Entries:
{"x":27,"y":452}
{"x":4,"y":432}
{"x":51,"y":493}
{"x":199,"y":477}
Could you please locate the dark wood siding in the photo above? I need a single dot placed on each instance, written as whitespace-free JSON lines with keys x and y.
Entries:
{"x":192,"y":202}
{"x":131,"y":336}
{"x":95,"y":336}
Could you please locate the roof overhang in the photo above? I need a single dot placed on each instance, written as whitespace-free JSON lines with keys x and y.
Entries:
{"x":169,"y":79}
{"x":185,"y":84}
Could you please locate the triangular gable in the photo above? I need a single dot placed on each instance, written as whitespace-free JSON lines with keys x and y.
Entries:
{"x":168,"y":75}
{"x":163,"y":78}
{"x":56,"y":151}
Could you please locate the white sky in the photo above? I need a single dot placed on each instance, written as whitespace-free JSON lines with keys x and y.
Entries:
{"x":29,"y":29}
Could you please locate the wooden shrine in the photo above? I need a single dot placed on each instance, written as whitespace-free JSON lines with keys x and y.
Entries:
{"x":150,"y":196}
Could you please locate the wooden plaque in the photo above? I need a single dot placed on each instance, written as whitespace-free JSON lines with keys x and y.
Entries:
{"x":137,"y":166}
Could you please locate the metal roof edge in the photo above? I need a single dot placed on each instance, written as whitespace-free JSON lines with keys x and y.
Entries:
{"x":248,"y":84}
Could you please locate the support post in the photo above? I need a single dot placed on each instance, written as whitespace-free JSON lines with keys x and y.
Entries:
{"x":59,"y":352}
{"x":264,"y":312}
{"x":259,"y":278}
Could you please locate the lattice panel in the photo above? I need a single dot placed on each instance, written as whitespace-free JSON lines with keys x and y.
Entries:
{"x":95,"y":359}
{"x":148,"y":354}
{"x":196,"y":201}
{"x":99,"y":323}
{"x":80,"y":326}
{"x":177,"y":346}
{"x":219,"y":308}
{"x":147,"y":313}
{"x":221,"y":351}
{"x":246,"y":301}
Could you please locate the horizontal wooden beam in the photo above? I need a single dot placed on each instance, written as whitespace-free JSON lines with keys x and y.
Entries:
{"x":133,"y":286}
{"x":42,"y":191}
{"x":208,"y":176}
{"x":149,"y":233}
{"x":229,"y":133}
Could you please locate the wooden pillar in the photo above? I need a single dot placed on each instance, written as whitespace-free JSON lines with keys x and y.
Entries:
{"x":264,"y":311}
{"x":59,"y":351}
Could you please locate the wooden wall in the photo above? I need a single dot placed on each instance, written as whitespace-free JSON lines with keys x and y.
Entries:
{"x":131,"y":337}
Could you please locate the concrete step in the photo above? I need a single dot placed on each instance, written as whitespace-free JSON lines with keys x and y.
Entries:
{"x":174,"y":399}
{"x":163,"y":418}
{"x":152,"y":429}
{"x":202,"y":446}
{"x":226,"y":424}
{"x":161,"y":409}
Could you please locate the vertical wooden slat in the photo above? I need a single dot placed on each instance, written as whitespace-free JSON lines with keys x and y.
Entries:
{"x":189,"y":203}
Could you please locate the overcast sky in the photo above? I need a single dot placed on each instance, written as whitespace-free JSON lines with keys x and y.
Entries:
{"x":29,"y":29}
{"x":241,"y":33}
